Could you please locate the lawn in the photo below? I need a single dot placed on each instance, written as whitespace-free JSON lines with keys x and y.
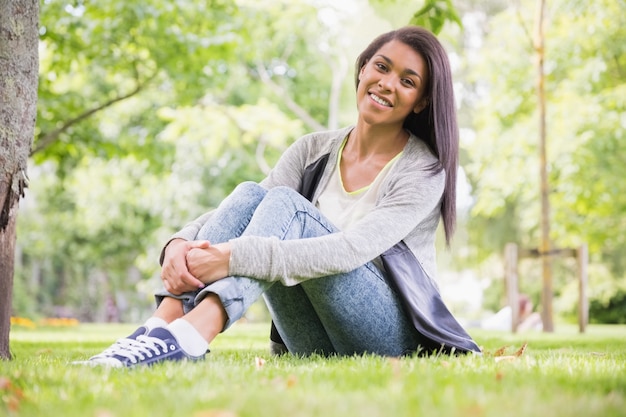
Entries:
{"x":560,"y":374}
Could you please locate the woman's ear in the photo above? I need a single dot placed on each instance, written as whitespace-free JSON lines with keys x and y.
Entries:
{"x":362,"y":70}
{"x":421,"y":105}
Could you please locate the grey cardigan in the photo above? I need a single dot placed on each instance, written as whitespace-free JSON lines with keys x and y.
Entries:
{"x":400,"y":231}
{"x":407,"y":209}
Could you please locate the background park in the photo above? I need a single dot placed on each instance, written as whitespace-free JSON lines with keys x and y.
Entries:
{"x":149,"y":112}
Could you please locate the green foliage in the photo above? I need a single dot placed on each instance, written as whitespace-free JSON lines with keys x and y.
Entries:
{"x":298,"y":61}
{"x":585,"y":87}
{"x":563,"y":374}
{"x":93,"y":54}
{"x":434,"y":14}
{"x":613,"y":312}
{"x":215,"y":148}
{"x":605,"y":294}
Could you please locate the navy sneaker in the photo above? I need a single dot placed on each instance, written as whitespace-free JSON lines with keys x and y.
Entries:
{"x":119,"y":345}
{"x":157,"y":346}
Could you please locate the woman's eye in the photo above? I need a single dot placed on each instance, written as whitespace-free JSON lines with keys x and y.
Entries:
{"x":409,"y":82}
{"x":381,"y":67}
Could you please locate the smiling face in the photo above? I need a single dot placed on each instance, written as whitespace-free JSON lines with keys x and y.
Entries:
{"x":392,"y":84}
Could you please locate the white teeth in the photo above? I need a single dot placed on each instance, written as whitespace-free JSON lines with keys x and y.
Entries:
{"x":380,"y":100}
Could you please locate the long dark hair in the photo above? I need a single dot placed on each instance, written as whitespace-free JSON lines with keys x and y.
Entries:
{"x":436,"y":124}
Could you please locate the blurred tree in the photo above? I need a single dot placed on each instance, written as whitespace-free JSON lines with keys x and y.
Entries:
{"x":585,"y":93}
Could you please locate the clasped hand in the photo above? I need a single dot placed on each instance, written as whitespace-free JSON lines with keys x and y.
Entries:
{"x":190,"y":265}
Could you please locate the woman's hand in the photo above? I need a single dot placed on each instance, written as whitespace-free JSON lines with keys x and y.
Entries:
{"x":209,"y":263}
{"x":175,"y":273}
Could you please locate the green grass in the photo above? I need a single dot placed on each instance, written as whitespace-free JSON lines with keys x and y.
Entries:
{"x":560,"y":374}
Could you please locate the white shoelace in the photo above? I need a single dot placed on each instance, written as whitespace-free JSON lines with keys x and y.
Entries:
{"x":119,"y":346}
{"x":142,"y":347}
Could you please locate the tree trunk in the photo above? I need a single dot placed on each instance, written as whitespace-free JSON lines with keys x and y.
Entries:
{"x":546,"y":246}
{"x":19,"y":65}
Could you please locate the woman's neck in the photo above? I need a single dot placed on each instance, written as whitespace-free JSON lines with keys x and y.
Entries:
{"x":367,"y":152}
{"x":366,"y":141}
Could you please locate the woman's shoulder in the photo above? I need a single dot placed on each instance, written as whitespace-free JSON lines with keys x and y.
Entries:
{"x":416,"y":145}
{"x":417,"y":150}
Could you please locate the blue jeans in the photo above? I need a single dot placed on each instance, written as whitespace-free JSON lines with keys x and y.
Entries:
{"x":350,"y":313}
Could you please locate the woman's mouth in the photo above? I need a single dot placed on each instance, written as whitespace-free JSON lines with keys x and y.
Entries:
{"x":380,"y":101}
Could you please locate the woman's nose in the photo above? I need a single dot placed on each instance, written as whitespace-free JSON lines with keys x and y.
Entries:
{"x":385,"y":83}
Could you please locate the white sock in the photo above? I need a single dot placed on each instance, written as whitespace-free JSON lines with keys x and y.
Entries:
{"x":154,"y":322}
{"x":188,"y":337}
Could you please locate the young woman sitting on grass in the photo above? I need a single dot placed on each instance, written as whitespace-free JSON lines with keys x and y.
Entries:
{"x":339,"y":238}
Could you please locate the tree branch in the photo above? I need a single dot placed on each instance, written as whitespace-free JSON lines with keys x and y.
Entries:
{"x":49,"y":138}
{"x":529,"y":37}
{"x":292,"y":105}
{"x":259,"y":153}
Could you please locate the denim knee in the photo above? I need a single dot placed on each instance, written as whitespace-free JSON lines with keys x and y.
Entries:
{"x":250,"y":188}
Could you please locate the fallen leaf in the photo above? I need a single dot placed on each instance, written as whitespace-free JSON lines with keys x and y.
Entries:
{"x":521,"y":350}
{"x":13,"y":403}
{"x":473,"y":410}
{"x":396,"y":367}
{"x":18,"y":393}
{"x":5,"y":383}
{"x":500,"y":351}
{"x":292,"y":380}
{"x":259,"y":362}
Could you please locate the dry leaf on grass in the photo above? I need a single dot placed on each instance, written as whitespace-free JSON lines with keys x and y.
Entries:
{"x":500,"y":352}
{"x":292,"y":380}
{"x":499,"y":355}
{"x":5,"y":383}
{"x":11,"y":394}
{"x":259,"y":362}
{"x":395,"y":366}
{"x":521,"y":350}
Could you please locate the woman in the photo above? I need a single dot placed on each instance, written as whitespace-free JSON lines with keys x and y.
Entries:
{"x":339,"y":238}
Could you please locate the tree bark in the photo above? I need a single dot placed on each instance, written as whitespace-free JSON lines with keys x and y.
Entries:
{"x":19,"y":64}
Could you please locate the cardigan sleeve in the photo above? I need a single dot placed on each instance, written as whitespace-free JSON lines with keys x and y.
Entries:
{"x":287,"y":172}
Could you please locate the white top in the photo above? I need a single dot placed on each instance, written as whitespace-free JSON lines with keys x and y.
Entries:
{"x":345,"y":208}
